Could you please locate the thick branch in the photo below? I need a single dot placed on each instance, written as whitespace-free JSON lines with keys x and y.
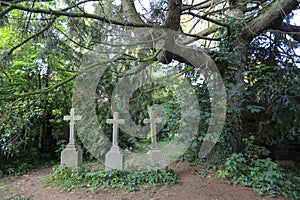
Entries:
{"x":173,"y":23}
{"x":277,"y":11}
{"x":130,"y":12}
{"x":173,"y":15}
{"x":200,"y":57}
{"x":294,"y":31}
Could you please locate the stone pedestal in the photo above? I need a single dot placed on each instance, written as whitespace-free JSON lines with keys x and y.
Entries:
{"x":156,"y":159}
{"x":71,"y":156}
{"x":114,"y":159}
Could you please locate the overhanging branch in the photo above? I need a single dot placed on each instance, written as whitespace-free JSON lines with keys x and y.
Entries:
{"x":40,"y":91}
{"x":6,"y":11}
{"x":203,"y":5}
{"x":294,"y":31}
{"x":207,"y":19}
{"x":277,"y":11}
{"x":59,"y":13}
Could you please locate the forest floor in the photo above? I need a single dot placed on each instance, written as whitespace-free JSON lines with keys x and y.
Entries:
{"x":192,"y":187}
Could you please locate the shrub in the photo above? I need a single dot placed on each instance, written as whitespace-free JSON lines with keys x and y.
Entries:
{"x":64,"y":178}
{"x":262,"y":174}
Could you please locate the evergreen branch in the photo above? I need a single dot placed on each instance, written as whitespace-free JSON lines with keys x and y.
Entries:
{"x":88,"y":68}
{"x":80,"y":45}
{"x":53,"y":87}
{"x":31,"y":37}
{"x":40,"y":91}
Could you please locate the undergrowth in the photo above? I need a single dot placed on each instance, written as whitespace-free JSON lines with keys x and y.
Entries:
{"x":252,"y":168}
{"x":96,"y":178}
{"x":20,"y":167}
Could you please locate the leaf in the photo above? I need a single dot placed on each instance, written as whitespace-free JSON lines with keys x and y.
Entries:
{"x":255,"y":109}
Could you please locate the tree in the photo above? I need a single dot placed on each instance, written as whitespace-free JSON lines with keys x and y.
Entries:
{"x":226,"y":29}
{"x":29,"y":123}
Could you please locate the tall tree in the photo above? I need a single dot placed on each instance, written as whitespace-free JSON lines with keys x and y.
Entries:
{"x":226,"y":28}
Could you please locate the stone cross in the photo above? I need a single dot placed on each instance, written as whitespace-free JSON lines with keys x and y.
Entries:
{"x":152,"y":121}
{"x":115,"y":121}
{"x":72,"y":118}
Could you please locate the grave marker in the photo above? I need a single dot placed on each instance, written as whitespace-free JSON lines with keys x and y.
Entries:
{"x":114,"y":159}
{"x":72,"y":155}
{"x":115,"y":121}
{"x":72,"y":118}
{"x":152,"y":121}
{"x":156,"y":158}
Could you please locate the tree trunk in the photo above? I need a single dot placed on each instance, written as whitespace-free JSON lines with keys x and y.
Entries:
{"x":48,"y":142}
{"x":238,"y":41}
{"x":235,"y":80}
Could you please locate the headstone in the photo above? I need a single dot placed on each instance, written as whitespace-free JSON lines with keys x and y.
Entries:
{"x":156,"y":158}
{"x":114,"y":159}
{"x":72,"y":155}
{"x":152,"y":121}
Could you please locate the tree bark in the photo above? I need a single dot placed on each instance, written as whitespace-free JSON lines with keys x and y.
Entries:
{"x":276,"y":11}
{"x":130,"y":13}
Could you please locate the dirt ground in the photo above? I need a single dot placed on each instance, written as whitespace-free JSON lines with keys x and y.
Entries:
{"x":192,"y":187}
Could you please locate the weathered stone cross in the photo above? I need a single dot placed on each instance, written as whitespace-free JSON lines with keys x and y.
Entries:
{"x":72,"y":118}
{"x":115,"y":121}
{"x":152,"y":121}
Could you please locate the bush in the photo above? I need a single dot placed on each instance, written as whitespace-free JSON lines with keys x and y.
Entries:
{"x":20,"y":166}
{"x":15,"y":168}
{"x":262,"y":174}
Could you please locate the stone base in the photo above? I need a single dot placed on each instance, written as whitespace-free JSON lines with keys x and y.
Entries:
{"x":156,"y":159}
{"x":114,"y":159}
{"x":71,"y":156}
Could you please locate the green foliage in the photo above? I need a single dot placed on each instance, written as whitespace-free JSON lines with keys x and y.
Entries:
{"x":262,"y":174}
{"x":272,"y":105}
{"x":20,"y":166}
{"x":64,"y":178}
{"x":272,"y":89}
{"x":34,"y":66}
{"x":15,"y":170}
{"x":61,"y":145}
{"x":190,"y":156}
{"x":200,"y":89}
{"x":275,"y":49}
{"x":269,"y":97}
